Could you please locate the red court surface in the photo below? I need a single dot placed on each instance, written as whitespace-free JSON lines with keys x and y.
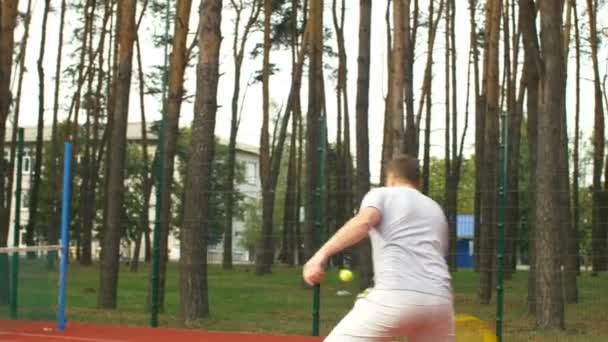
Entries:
{"x":17,"y":331}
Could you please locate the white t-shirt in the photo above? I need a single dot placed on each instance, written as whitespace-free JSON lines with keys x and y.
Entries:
{"x":410,"y":244}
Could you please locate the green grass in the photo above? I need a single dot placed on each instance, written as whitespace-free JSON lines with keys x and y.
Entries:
{"x":241,"y":301}
{"x":37,"y":283}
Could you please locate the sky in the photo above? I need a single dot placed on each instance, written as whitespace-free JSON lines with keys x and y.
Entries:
{"x":251,"y":96}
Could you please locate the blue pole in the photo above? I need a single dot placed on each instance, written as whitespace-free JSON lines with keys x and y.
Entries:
{"x":65,"y":220}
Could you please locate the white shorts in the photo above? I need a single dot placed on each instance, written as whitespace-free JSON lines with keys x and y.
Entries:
{"x":382,"y":315}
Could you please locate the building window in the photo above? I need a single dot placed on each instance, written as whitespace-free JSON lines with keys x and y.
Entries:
{"x":27,"y":161}
{"x":251,"y":173}
{"x":25,"y":199}
{"x":22,"y":235}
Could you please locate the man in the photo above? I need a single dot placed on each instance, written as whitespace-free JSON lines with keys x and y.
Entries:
{"x":412,"y":295}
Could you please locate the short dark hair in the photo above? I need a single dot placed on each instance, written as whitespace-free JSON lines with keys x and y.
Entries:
{"x":405,"y":167}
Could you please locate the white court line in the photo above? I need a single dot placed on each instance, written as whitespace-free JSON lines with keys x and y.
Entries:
{"x":67,"y":338}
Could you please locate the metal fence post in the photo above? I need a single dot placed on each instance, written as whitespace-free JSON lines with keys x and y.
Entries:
{"x":500,"y":238}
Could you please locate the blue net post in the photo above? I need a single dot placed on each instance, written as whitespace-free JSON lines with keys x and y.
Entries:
{"x":65,"y":220}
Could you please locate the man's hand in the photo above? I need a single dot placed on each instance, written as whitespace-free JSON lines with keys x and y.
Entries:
{"x":314,"y":270}
{"x":353,"y":231}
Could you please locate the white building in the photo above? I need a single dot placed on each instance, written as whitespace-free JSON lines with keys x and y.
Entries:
{"x":251,"y":188}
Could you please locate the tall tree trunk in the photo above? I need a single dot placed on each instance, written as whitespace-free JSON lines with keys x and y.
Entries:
{"x":339,"y":169}
{"x":289,"y":215}
{"x":86,"y":220}
{"x":427,"y":87}
{"x":604,"y":215}
{"x":426,"y":169}
{"x":238,"y":48}
{"x":343,"y":167}
{"x":315,"y":108}
{"x":396,"y":78}
{"x":362,"y":122}
{"x":97,"y":146}
{"x":8,"y":18}
{"x":301,"y":228}
{"x":598,"y":237}
{"x":569,"y":245}
{"x":347,"y":156}
{"x":479,"y":129}
{"x":456,"y":149}
{"x":300,"y":202}
{"x":92,"y":144}
{"x":387,"y":140}
{"x":17,"y":111}
{"x":490,"y":170}
{"x":533,"y":96}
{"x":513,"y":147}
{"x":291,"y":207}
{"x":110,"y":98}
{"x":265,"y":252}
{"x":177,"y":67}
{"x":193,"y":244}
{"x":73,"y":127}
{"x":265,"y":257}
{"x":147,"y":175}
{"x":86,"y":167}
{"x":410,"y":143}
{"x":100,"y":140}
{"x":449,"y":189}
{"x":111,"y":238}
{"x":147,"y":246}
{"x":549,"y":300}
{"x":71,"y":132}
{"x":576,"y":171}
{"x":533,"y":74}
{"x":87,"y":209}
{"x":298,"y":249}
{"x":134,"y":262}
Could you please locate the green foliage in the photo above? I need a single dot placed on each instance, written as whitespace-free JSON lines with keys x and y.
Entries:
{"x":134,"y":196}
{"x":281,"y":35}
{"x":466,"y":187}
{"x":253,"y":225}
{"x":219,"y":195}
{"x":281,"y":189}
{"x":585,"y":198}
{"x":46,"y":197}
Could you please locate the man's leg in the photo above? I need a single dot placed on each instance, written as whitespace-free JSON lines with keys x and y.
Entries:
{"x":366,"y":322}
{"x":438,"y":325}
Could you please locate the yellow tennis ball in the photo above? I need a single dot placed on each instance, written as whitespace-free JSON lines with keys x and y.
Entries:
{"x":346,"y":276}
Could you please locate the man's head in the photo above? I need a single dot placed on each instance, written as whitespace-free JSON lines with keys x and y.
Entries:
{"x":403,"y":170}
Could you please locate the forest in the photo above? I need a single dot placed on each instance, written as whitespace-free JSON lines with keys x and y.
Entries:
{"x":361,"y":81}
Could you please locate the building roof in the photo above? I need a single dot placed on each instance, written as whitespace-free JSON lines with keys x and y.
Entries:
{"x":134,"y":133}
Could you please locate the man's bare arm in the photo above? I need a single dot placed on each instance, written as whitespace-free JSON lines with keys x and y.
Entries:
{"x":355,"y":230}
